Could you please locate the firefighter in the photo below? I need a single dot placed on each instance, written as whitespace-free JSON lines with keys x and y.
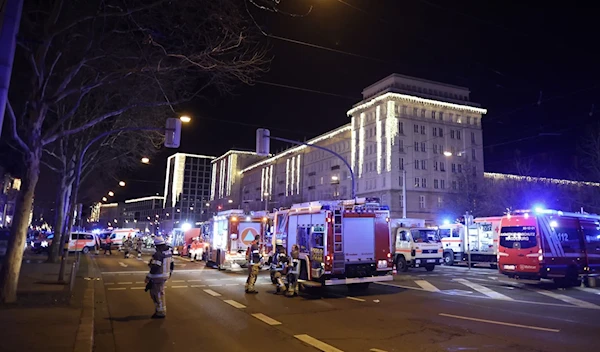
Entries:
{"x":196,"y":250}
{"x":254,"y":261}
{"x":138,"y":246}
{"x":161,"y":268}
{"x":293,"y":273}
{"x":279,"y":265}
{"x":108,"y":245}
{"x":127,"y":246}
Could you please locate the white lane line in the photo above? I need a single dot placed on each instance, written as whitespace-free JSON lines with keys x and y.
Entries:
{"x":214,"y":285}
{"x":140,"y":282}
{"x":356,"y":299}
{"x":125,"y":283}
{"x":266,"y":319}
{"x":182,"y":286}
{"x":482,"y":289}
{"x":137,"y":288}
{"x":131,"y":272}
{"x":194,"y":280}
{"x":177,"y":280}
{"x":376,"y":350}
{"x":571,"y":300}
{"x":399,"y":286}
{"x":123,"y":264}
{"x":320,"y":345}
{"x":231,"y":284}
{"x":589,"y":290}
{"x":116,"y":288}
{"x":197,"y":285}
{"x":109,"y":283}
{"x":234,"y":303}
{"x":212,"y":293}
{"x":213,"y":279}
{"x":499,"y":323}
{"x":427,"y":286}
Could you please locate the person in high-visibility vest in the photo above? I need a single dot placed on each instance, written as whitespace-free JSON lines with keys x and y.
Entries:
{"x":196,"y":250}
{"x":254,"y":262}
{"x":161,"y":268}
{"x":293,"y":273}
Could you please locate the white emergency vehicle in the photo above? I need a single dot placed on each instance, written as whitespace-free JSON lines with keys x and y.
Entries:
{"x":481,"y":241}
{"x":340,"y":242}
{"x":414,"y":245}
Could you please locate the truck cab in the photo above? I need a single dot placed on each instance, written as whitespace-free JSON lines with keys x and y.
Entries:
{"x":417,"y":247}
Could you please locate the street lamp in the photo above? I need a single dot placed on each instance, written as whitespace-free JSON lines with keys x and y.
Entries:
{"x":230,"y":201}
{"x":447,"y":153}
{"x":266,"y":196}
{"x":104,"y":199}
{"x":111,"y":193}
{"x":145,"y":160}
{"x":122,"y":183}
{"x":185,"y":119}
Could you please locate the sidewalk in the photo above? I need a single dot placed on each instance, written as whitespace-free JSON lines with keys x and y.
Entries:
{"x":46,"y":316}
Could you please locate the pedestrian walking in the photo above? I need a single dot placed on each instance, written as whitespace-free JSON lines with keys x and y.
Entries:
{"x":161,"y":268}
{"x":254,"y":261}
{"x":138,"y":246}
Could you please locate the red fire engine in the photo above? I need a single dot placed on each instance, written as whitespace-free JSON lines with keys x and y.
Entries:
{"x":340,"y":242}
{"x":230,"y":234}
{"x":549,"y":244}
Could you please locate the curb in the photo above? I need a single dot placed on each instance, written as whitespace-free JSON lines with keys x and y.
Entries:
{"x":84,"y":339}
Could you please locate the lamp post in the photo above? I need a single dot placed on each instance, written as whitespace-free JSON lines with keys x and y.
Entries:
{"x":266,"y":196}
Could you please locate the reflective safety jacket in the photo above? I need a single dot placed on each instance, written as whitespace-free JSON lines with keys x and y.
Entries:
{"x":161,"y":265}
{"x":254,"y":253}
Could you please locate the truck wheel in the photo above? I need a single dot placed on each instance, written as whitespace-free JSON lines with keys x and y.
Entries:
{"x":429,"y":267}
{"x":85,"y":250}
{"x":401,"y":264}
{"x":448,"y":258}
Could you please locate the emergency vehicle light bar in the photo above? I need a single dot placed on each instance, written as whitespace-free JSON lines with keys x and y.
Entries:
{"x":539,"y":211}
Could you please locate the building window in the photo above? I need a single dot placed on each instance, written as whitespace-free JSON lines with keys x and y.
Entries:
{"x":435,"y":183}
{"x":442,"y":166}
{"x":472,"y":137}
{"x":451,"y":117}
{"x":435,"y":131}
{"x":401,"y":146}
{"x":422,"y":129}
{"x":440,"y":202}
{"x":416,"y":146}
{"x":473,"y":155}
{"x":435,"y":149}
{"x":401,"y":201}
{"x":454,"y":185}
{"x":459,"y":167}
{"x":433,"y":115}
{"x":468,"y":120}
{"x":423,"y":183}
{"x":401,"y":162}
{"x":423,"y":164}
{"x":423,"y":113}
{"x":401,"y":127}
{"x":441,"y":116}
{"x":452,"y":134}
{"x":441,"y":132}
{"x":421,"y":202}
{"x":457,"y":134}
{"x":442,"y":184}
{"x":435,"y":166}
{"x":415,"y":112}
{"x":404,"y":110}
{"x":416,"y":128}
{"x":453,"y":167}
{"x":417,"y":182}
{"x":400,"y":179}
{"x":423,"y":148}
{"x":416,"y":164}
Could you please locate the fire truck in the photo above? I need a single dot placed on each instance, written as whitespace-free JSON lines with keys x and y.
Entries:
{"x":481,"y":241}
{"x":230,"y":234}
{"x":340,"y":242}
{"x":549,"y":244}
{"x":414,"y":245}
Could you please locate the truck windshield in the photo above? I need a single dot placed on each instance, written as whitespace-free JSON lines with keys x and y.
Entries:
{"x":443,"y":233}
{"x":424,"y":236}
{"x":518,"y":237}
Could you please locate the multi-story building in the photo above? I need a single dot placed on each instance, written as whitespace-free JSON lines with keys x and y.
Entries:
{"x":424,"y":134}
{"x":106,"y":215}
{"x":144,"y":213}
{"x":187,"y":190}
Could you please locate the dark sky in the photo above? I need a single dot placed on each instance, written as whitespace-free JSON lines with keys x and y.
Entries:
{"x":533,"y":66}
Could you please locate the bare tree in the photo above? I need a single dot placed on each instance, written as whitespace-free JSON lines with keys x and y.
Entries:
{"x":589,"y":149}
{"x":163,"y":52}
{"x":470,"y":192}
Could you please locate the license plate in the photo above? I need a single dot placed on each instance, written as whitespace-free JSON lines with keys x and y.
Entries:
{"x":431,"y":260}
{"x":509,"y":267}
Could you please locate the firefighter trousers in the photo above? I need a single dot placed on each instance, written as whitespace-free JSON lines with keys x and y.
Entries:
{"x":292,"y":289}
{"x":278,"y":278}
{"x":252,"y":275}
{"x":157,"y":293}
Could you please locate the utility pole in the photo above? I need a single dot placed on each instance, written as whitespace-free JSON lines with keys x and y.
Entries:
{"x":467,"y":224}
{"x":403,"y":193}
{"x":10,"y":17}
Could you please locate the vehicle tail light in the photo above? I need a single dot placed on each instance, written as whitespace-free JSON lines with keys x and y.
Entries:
{"x":328,"y":258}
{"x":389,"y":255}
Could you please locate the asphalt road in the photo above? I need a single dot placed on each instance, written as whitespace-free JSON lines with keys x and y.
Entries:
{"x":449,"y":309}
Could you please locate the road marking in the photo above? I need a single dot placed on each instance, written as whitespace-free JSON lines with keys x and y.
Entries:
{"x":123,"y":264}
{"x":109,"y":283}
{"x":137,"y":288}
{"x":356,"y":299}
{"x":231,"y":284}
{"x":116,"y":288}
{"x":234,"y":303}
{"x":571,"y":300}
{"x":213,"y":279}
{"x":194,"y":280}
{"x":198,"y":286}
{"x":588,"y":289}
{"x":266,"y":319}
{"x":320,"y":345}
{"x":214,"y":285}
{"x":177,"y":280}
{"x":183,"y":286}
{"x":140,"y":282}
{"x":399,"y":286}
{"x":132,"y":272}
{"x":499,"y":323}
{"x":376,"y":350}
{"x":482,"y":289}
{"x":125,"y":283}
{"x":427,"y":286}
{"x":212,"y":293}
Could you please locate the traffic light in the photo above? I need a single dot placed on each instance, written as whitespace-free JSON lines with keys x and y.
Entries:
{"x":173,"y":133}
{"x":262,"y":141}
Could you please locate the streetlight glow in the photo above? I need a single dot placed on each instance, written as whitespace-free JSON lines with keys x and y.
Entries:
{"x":145,"y":160}
{"x":111,"y":193}
{"x":104,"y":199}
{"x":334,"y":178}
{"x":207,"y":204}
{"x":448,"y":153}
{"x":185,"y":119}
{"x":122,"y":183}
{"x":230,"y":201}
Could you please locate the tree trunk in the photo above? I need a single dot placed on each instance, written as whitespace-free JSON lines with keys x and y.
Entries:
{"x":68,"y":227}
{"x":9,"y":275}
{"x":62,"y":202}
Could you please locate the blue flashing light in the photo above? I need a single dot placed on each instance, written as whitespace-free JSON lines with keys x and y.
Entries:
{"x":538,"y":209}
{"x":326,"y":207}
{"x":385,"y":207}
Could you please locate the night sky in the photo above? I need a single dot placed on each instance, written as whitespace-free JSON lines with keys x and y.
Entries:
{"x":533,"y":66}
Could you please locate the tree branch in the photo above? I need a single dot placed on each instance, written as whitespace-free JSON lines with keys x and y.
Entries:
{"x":14,"y":133}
